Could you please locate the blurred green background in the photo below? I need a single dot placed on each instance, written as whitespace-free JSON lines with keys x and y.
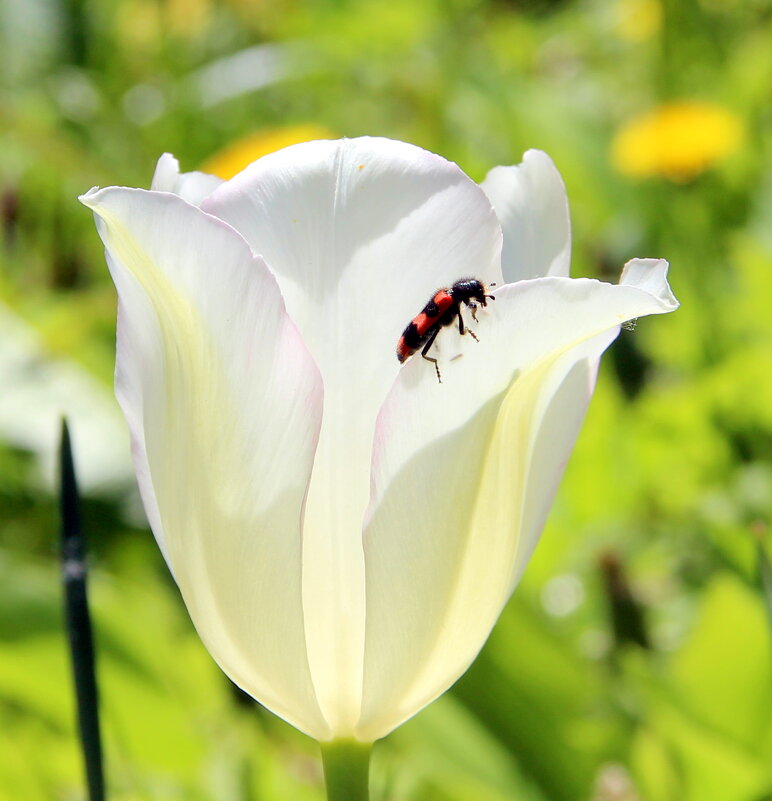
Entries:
{"x":633,"y":663}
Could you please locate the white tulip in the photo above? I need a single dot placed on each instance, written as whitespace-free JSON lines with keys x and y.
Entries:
{"x":345,"y":530}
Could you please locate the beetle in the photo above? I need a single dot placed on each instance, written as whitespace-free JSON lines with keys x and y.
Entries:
{"x":443,"y":308}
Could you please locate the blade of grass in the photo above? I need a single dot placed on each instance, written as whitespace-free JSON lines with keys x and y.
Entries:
{"x":78,"y":621}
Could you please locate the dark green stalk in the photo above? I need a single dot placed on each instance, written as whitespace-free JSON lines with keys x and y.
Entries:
{"x":78,"y":622}
{"x":346,"y":770}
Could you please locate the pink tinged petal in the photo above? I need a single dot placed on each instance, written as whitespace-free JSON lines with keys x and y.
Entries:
{"x":464,"y":473}
{"x":532,"y":206}
{"x":190,"y":186}
{"x":224,"y":405}
{"x":359,"y":233}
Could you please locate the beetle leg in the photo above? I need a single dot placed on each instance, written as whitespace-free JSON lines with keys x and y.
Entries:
{"x":462,"y":330}
{"x":425,"y":350}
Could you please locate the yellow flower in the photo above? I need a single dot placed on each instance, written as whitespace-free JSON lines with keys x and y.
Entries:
{"x":232,"y":159}
{"x":678,"y":140}
{"x":637,"y":20}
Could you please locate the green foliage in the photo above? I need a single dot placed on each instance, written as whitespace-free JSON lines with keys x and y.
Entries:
{"x":671,"y":478}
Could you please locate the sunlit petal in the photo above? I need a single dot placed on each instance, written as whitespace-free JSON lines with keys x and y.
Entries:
{"x":464,"y":473}
{"x":190,"y":186}
{"x":359,"y":233}
{"x":531,"y":203}
{"x":224,"y":405}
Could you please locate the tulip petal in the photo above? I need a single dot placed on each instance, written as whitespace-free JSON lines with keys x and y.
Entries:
{"x":224,"y":406}
{"x":650,"y":275}
{"x":464,"y":473}
{"x":532,"y":206}
{"x":190,"y":186}
{"x":359,"y":233}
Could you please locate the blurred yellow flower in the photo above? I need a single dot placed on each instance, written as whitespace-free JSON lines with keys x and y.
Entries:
{"x":637,"y":20}
{"x":239,"y":154}
{"x":678,"y":140}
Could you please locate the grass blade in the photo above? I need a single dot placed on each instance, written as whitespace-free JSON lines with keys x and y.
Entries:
{"x":78,"y":621}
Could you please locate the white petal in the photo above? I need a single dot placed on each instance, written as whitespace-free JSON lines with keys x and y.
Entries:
{"x":650,"y":275}
{"x":359,"y":233}
{"x":190,"y":186}
{"x":531,"y":203}
{"x":464,"y":473}
{"x":224,"y":406}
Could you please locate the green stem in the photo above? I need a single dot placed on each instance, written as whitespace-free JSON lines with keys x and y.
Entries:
{"x":346,"y":770}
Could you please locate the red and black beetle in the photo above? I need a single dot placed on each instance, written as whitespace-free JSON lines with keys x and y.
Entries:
{"x":442,"y":309}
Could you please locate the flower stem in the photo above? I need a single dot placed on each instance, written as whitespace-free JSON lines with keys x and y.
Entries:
{"x":346,"y":770}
